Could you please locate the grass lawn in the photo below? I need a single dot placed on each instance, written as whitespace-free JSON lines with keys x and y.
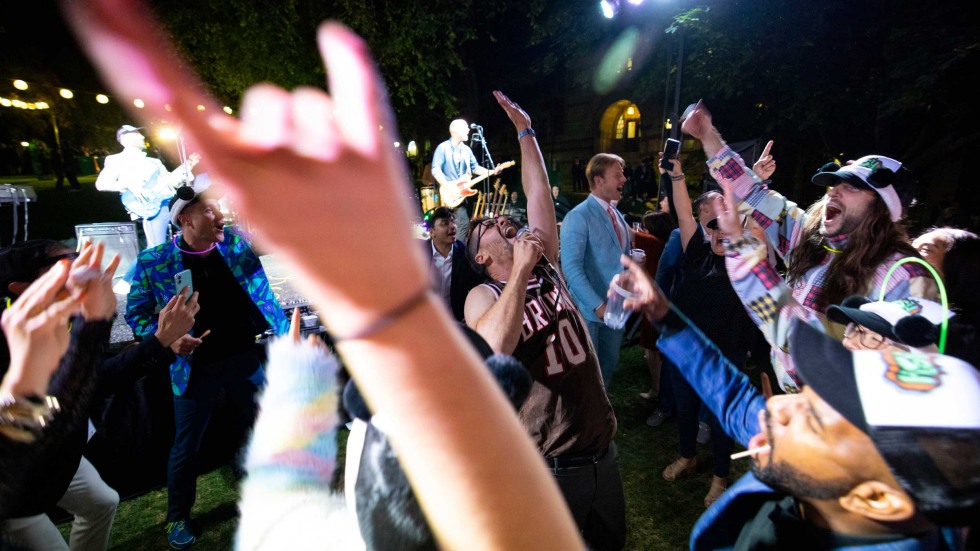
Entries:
{"x":55,"y":213}
{"x":659,"y":514}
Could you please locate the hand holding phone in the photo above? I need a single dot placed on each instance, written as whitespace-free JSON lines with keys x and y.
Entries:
{"x":183,"y":279}
{"x":671,"y":149}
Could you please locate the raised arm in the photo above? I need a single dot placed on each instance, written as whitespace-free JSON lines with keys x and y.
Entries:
{"x":534,"y":178}
{"x":782,"y":219}
{"x":477,"y":488}
{"x":682,"y":204}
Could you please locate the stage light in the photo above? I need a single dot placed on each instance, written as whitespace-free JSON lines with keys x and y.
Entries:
{"x":139,"y":103}
{"x":25,"y":144}
{"x":412,"y":150}
{"x":227,"y":109}
{"x":167,"y":134}
{"x":20,"y":84}
{"x":609,"y":8}
{"x":6,"y":102}
{"x":102,"y":98}
{"x":66,"y":93}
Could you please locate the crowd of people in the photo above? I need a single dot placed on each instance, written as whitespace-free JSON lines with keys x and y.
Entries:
{"x":869,"y":438}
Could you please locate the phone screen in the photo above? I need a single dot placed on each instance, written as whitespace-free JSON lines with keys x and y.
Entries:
{"x":671,"y":149}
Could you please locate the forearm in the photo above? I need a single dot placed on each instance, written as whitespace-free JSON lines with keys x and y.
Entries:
{"x":540,"y":206}
{"x":133,"y":363}
{"x":501,"y":324}
{"x":472,"y":485}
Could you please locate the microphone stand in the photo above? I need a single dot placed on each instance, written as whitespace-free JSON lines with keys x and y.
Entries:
{"x":487,"y":160}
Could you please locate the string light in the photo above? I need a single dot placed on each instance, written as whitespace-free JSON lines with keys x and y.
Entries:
{"x":102,"y":98}
{"x":20,"y":84}
{"x":66,"y":93}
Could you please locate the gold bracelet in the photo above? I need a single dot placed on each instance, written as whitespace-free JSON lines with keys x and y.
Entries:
{"x":23,"y":418}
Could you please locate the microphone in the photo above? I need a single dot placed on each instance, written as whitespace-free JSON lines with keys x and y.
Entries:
{"x":475,"y":126}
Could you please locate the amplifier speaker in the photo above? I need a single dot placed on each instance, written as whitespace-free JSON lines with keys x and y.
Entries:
{"x":117,"y":237}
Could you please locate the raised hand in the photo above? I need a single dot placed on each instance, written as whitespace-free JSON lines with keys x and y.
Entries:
{"x":36,"y":326}
{"x":514,"y":112}
{"x":88,"y":279}
{"x":766,"y":164}
{"x":337,"y":177}
{"x":696,"y":120}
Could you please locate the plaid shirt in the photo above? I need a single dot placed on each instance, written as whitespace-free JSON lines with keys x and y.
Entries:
{"x":769,"y":299}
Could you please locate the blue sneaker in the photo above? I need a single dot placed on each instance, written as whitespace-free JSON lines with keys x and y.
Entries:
{"x":179,"y":535}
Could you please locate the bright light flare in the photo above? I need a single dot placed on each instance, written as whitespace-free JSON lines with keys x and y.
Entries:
{"x":227,"y":109}
{"x":66,"y":93}
{"x":102,"y":98}
{"x":20,"y":84}
{"x":167,"y":134}
{"x":609,"y":8}
{"x":139,"y":103}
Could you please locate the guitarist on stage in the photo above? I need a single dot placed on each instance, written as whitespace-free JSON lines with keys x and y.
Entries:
{"x":453,"y":162}
{"x":146,"y":184}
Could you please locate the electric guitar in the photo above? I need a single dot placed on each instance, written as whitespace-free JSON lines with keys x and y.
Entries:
{"x":146,"y":198}
{"x":453,"y":193}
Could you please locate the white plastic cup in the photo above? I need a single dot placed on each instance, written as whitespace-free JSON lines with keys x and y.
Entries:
{"x":639,"y":256}
{"x":616,"y":314}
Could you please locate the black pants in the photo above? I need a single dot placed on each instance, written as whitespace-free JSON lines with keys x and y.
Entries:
{"x":594,"y":494}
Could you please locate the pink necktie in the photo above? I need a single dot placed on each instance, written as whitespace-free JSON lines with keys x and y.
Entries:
{"x":615,"y":223}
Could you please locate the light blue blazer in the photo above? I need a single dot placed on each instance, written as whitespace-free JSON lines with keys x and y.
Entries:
{"x":590,"y":254}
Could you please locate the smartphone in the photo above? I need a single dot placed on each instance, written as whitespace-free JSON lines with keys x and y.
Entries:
{"x":183,"y":279}
{"x":671,"y":149}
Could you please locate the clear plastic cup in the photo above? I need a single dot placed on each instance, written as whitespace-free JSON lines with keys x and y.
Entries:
{"x":638,"y":255}
{"x":616,"y":314}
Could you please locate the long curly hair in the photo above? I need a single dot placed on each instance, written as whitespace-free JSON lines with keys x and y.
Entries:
{"x":850,"y":272}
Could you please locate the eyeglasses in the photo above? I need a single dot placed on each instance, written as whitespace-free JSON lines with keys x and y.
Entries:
{"x":868,"y":339}
{"x":479,"y":226}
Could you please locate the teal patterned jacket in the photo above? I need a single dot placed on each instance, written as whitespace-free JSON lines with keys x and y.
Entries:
{"x":153,"y":287}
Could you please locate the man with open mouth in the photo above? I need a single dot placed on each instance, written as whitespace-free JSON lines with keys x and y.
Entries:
{"x":842,"y":245}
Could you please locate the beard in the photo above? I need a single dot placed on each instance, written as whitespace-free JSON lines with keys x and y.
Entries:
{"x":791,"y":481}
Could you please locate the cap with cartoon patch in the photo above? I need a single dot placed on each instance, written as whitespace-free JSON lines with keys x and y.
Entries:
{"x":873,"y":172}
{"x":921,"y":411}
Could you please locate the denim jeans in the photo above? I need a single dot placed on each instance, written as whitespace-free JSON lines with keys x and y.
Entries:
{"x":688,"y":409}
{"x":192,"y":412}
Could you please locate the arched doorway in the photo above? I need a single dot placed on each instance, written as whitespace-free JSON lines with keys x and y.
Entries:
{"x":619,"y":128}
